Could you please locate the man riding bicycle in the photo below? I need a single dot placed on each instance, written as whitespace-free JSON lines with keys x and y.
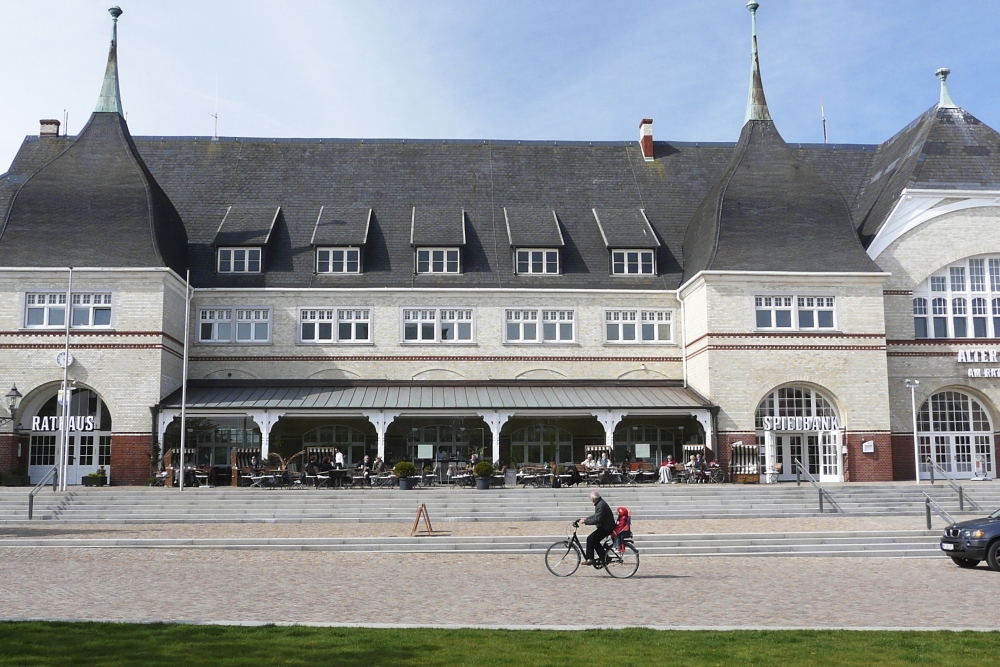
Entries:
{"x":604,"y":520}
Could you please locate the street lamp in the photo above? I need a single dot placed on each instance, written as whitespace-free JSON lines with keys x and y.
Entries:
{"x":13,"y":396}
{"x":913,"y":384}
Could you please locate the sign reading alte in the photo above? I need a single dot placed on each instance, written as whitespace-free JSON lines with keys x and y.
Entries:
{"x":980,"y":356}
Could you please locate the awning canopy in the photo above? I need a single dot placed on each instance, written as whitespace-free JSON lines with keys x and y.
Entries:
{"x":414,"y":397}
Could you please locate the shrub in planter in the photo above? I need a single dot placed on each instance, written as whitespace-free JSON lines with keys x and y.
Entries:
{"x":405,"y":469}
{"x":483,"y":469}
{"x":98,"y":478}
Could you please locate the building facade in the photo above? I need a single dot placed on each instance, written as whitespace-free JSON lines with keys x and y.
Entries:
{"x":759,"y":301}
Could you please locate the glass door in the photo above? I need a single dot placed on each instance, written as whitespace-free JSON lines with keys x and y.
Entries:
{"x":830,"y":457}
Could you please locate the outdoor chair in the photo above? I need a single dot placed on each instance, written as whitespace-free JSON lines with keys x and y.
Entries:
{"x":160,"y":478}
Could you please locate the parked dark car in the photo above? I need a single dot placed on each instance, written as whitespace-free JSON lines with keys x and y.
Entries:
{"x":969,"y":542}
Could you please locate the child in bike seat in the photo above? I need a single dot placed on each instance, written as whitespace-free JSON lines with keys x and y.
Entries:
{"x":623,"y":529}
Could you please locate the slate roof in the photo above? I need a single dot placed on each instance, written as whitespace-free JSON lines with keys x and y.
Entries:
{"x":204,"y":177}
{"x":437,"y":226}
{"x":770,"y":211}
{"x":439,"y":396}
{"x":945,"y":148}
{"x":342,"y":226}
{"x":95,"y":204}
{"x":625,"y":228}
{"x":247,"y":225}
{"x":532,"y":227}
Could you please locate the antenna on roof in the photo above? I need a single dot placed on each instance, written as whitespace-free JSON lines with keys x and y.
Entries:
{"x":215,"y":136}
{"x":822,"y":112}
{"x":65,"y":123}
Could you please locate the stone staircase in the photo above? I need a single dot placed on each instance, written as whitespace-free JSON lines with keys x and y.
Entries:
{"x":886,"y":544}
{"x":649,"y":502}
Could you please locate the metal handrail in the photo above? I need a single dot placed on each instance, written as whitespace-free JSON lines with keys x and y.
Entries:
{"x":54,"y":474}
{"x":957,"y":488}
{"x":799,"y":471}
{"x":929,"y":504}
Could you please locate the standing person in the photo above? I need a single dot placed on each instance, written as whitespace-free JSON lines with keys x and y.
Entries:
{"x":604,"y":519}
{"x":338,"y":458}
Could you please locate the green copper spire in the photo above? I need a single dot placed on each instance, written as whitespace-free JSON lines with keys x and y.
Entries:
{"x":110,"y":100}
{"x":756,"y":104}
{"x":945,"y":102}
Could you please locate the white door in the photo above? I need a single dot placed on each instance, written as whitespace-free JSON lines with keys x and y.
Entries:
{"x":829,"y":451}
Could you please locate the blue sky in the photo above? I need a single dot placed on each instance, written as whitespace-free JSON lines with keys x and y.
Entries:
{"x":501,"y":70}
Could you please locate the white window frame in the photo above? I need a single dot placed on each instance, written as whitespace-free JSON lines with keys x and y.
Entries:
{"x":641,"y":320}
{"x":334,"y":317}
{"x":444,"y":260}
{"x":229,"y":267}
{"x":438,"y":318}
{"x":625,"y":262}
{"x":345,"y":261}
{"x":952,"y":294}
{"x":234,"y":316}
{"x":793,"y":303}
{"x":530,"y":265}
{"x":545,"y":320}
{"x":80,"y":301}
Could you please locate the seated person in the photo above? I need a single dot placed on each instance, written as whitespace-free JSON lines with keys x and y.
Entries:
{"x":623,"y":529}
{"x":700,"y":463}
{"x":255,"y":463}
{"x":326,"y":465}
{"x":605,"y":462}
{"x":473,"y":460}
{"x":589,"y":463}
{"x":667,"y":470}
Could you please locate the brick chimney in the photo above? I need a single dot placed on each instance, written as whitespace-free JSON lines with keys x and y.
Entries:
{"x":646,"y":139}
{"x":50,"y":128}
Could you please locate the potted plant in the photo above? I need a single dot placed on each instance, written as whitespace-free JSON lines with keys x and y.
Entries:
{"x":483,"y":472}
{"x":97,"y":478}
{"x":405,"y":471}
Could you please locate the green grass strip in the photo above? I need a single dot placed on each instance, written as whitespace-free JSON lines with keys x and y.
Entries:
{"x":42,"y":643}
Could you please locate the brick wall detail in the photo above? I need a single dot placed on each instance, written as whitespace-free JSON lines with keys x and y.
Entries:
{"x":9,"y":461}
{"x":130,"y":454}
{"x":869,"y":467}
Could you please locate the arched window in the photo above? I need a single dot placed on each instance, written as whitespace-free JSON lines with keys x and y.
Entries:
{"x":541,"y":443}
{"x":950,"y":289}
{"x":954,"y":430}
{"x":449,"y":442}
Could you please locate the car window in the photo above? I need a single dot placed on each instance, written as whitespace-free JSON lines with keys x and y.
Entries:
{"x":995,"y":515}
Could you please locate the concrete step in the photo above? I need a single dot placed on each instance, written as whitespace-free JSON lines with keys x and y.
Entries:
{"x":899,"y":544}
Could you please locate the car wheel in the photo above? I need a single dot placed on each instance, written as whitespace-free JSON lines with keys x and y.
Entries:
{"x":965,"y":562}
{"x":993,"y":556}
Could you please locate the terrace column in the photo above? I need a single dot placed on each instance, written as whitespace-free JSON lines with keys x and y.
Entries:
{"x":704,"y":418}
{"x":609,"y":419}
{"x":495,"y":420}
{"x":265,"y":419}
{"x":166,"y":417}
{"x":381,"y":420}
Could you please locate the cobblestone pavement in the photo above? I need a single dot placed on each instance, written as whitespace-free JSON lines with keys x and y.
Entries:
{"x":226,"y":586}
{"x":458,"y":529}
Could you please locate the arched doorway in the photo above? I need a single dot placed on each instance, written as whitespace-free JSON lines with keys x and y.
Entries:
{"x":955,"y":431}
{"x":89,"y":436}
{"x":800,"y":423}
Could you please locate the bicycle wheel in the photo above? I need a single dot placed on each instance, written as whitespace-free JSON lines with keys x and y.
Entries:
{"x":622,"y":565}
{"x":563,"y":558}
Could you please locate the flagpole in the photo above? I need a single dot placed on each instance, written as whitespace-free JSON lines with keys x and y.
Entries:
{"x":64,"y":453}
{"x":184,"y":373}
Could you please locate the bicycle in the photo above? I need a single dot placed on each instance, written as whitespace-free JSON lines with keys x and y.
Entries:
{"x":564,"y":557}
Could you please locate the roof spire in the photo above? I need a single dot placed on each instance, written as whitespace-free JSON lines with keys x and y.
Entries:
{"x":110,"y":100}
{"x":756,"y":104}
{"x":945,"y":102}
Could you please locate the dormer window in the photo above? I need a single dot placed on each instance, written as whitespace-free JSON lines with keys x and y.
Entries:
{"x":339,"y":237}
{"x":438,"y":260}
{"x":630,"y":240}
{"x":633,"y":262}
{"x":543,"y":261}
{"x":437,"y":235}
{"x":338,"y":260}
{"x":239,"y":260}
{"x":242,"y":236}
{"x":536,"y":239}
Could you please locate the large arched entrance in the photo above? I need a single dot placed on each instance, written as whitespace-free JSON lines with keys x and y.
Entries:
{"x":89,"y":435}
{"x":955,"y":431}
{"x":799,"y":423}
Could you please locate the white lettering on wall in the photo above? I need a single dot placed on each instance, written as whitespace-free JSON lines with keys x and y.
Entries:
{"x":75,"y":423}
